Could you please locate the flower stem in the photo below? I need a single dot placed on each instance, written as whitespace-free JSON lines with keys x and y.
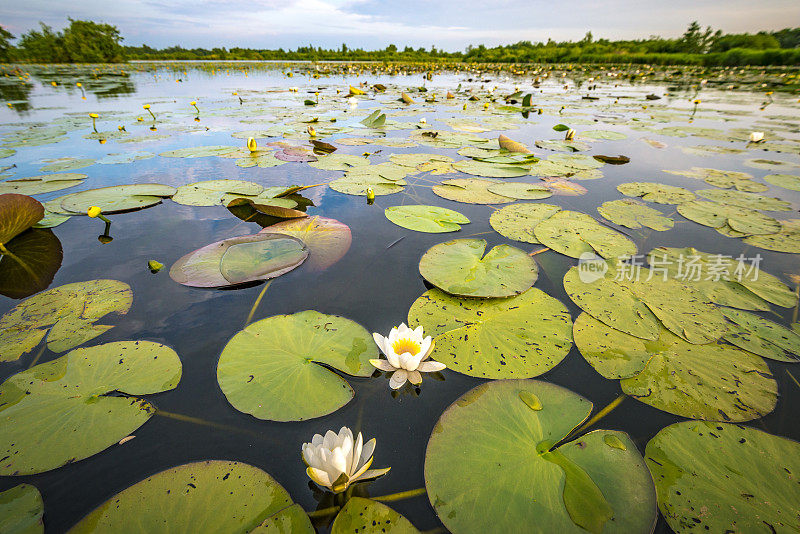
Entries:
{"x":793,"y":378}
{"x":5,"y":252}
{"x":602,"y":413}
{"x":324,"y":511}
{"x":256,"y":303}
{"x":401,"y":495}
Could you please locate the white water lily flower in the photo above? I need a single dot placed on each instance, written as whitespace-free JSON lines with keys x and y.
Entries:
{"x":336,"y":460}
{"x":406,"y":354}
{"x":756,"y":137}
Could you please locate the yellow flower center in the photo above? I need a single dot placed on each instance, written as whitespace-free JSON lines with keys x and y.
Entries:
{"x":406,"y":345}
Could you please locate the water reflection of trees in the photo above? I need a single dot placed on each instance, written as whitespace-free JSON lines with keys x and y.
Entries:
{"x":112,"y":82}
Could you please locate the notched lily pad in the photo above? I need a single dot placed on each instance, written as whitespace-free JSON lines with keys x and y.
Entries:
{"x":431,"y":219}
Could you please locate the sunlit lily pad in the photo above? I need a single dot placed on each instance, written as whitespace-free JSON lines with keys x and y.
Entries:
{"x":339,"y":162}
{"x":712,"y":381}
{"x":632,"y":214}
{"x":787,"y":181}
{"x":66,"y":164}
{"x":66,"y":314}
{"x":574,"y":233}
{"x":431,"y":219}
{"x":521,"y":191}
{"x":208,"y":496}
{"x":745,"y":200}
{"x":116,"y":198}
{"x":560,"y":145}
{"x":328,"y":240}
{"x":717,"y":477}
{"x":278,"y":368}
{"x":761,"y":336}
{"x":518,"y":220}
{"x":263,"y":160}
{"x":460,"y":267}
{"x":59,"y":412}
{"x":21,"y":510}
{"x":415,"y":160}
{"x":718,"y":215}
{"x":724,"y":179}
{"x":46,"y":183}
{"x":470,"y":191}
{"x":604,"y":135}
{"x":199,"y":151}
{"x":366,"y":515}
{"x":358,"y":185}
{"x":125,"y":157}
{"x":491,"y":170}
{"x":239,"y":260}
{"x":597,"y":482}
{"x":383,"y":171}
{"x":211,"y":192}
{"x":787,"y":240}
{"x":656,"y":192}
{"x":516,"y":337}
{"x":290,"y":520}
{"x":771,"y":164}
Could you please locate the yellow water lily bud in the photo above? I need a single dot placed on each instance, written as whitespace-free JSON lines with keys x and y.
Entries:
{"x":697,"y":101}
{"x":154,"y":266}
{"x":54,"y":84}
{"x":464,"y":107}
{"x":251,"y":144}
{"x":570,"y":135}
{"x":146,"y":106}
{"x":94,"y":115}
{"x":485,"y":105}
{"x":192,"y":103}
{"x":139,"y":119}
{"x":93,"y":212}
{"x":78,"y":84}
{"x":311,"y":131}
{"x":370,"y":194}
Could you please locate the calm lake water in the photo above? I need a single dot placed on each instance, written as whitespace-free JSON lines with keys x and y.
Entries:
{"x":378,"y":279}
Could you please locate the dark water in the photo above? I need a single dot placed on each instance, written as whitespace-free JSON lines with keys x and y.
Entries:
{"x":373,"y":285}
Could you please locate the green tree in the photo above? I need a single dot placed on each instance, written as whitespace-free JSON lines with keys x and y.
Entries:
{"x":695,"y":40}
{"x":89,"y":42}
{"x":43,"y":46}
{"x":6,"y":48}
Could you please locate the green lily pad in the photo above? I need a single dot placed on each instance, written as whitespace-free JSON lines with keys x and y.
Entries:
{"x":6,"y":152}
{"x":415,"y":160}
{"x":366,"y":515}
{"x":66,"y":164}
{"x":35,"y":258}
{"x":656,"y":192}
{"x":725,"y":280}
{"x":291,"y":520}
{"x":211,"y":192}
{"x":278,"y":368}
{"x":124,"y":158}
{"x":65,"y":314}
{"x":745,"y":200}
{"x":560,"y":145}
{"x":490,"y":170}
{"x":263,"y":160}
{"x":431,"y":219}
{"x":21,"y":510}
{"x":518,"y":221}
{"x":516,"y":337}
{"x":632,"y":214}
{"x":59,"y":412}
{"x":460,"y":267}
{"x":381,"y":171}
{"x":521,"y":191}
{"x":116,"y":198}
{"x":760,"y":336}
{"x":470,"y":191}
{"x":328,"y":240}
{"x":787,"y":240}
{"x":719,"y":215}
{"x":46,"y":183}
{"x":17,"y":214}
{"x":724,"y":179}
{"x":573,"y":233}
{"x":604,"y":135}
{"x":358,"y":185}
{"x":771,"y":164}
{"x":787,"y":181}
{"x":339,"y":162}
{"x":717,"y":477}
{"x":597,"y":482}
{"x":51,"y":220}
{"x":711,"y":381}
{"x":199,"y":151}
{"x":239,"y":260}
{"x":710,"y":150}
{"x":207,"y":496}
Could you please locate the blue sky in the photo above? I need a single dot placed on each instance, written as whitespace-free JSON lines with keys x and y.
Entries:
{"x":448,"y":24}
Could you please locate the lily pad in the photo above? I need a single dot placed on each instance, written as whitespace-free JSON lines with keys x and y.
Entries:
{"x":632,"y":214}
{"x":366,"y":515}
{"x":718,"y":215}
{"x":761,"y":336}
{"x":65,"y":314}
{"x":724,"y":179}
{"x":518,"y":221}
{"x":771,"y":164}
{"x":470,"y":191}
{"x":239,"y":260}
{"x":35,"y":257}
{"x":521,"y":191}
{"x":117,"y":198}
{"x":66,"y":164}
{"x":516,"y":337}
{"x":59,"y":412}
{"x":573,"y":233}
{"x":745,"y":200}
{"x":710,"y":381}
{"x":278,"y":368}
{"x":491,"y":170}
{"x":180,"y":500}
{"x":199,"y":151}
{"x":415,"y":160}
{"x":656,"y":192}
{"x":382,"y":171}
{"x":125,"y":157}
{"x":604,"y":135}
{"x":358,"y":185}
{"x":291,"y":520}
{"x":431,"y":219}
{"x":211,"y":192}
{"x":787,"y":240}
{"x":263,"y":160}
{"x":17,"y":214}
{"x":339,"y":162}
{"x":46,"y":183}
{"x":460,"y":267}
{"x":597,"y":482}
{"x":787,"y":181}
{"x":560,"y":145}
{"x":21,"y":510}
{"x":718,"y":477}
{"x":328,"y":240}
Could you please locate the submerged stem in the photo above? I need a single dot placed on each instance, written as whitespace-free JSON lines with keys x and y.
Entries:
{"x":793,"y":378}
{"x":256,"y":303}
{"x":599,"y":415}
{"x":324,"y":511}
{"x":5,"y":252}
{"x":401,"y":495}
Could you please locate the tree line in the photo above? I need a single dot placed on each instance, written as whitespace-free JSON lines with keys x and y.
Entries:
{"x":85,"y":41}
